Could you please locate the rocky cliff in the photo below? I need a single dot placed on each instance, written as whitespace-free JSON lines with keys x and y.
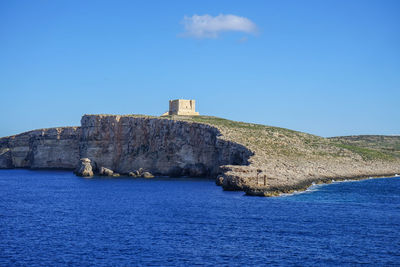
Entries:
{"x":45,"y":148}
{"x":161,"y":146}
{"x":260,"y":160}
{"x":124,"y":144}
{"x":284,"y":160}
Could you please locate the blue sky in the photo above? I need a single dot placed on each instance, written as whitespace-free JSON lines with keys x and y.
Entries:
{"x":323,"y":67}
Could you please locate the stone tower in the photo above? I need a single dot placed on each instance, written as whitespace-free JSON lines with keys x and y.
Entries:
{"x":182,"y":107}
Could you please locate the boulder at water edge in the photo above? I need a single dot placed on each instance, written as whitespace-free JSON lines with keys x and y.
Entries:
{"x":85,"y":168}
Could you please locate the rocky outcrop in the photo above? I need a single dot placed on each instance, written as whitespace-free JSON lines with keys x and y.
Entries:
{"x":84,"y":168}
{"x":134,"y":174}
{"x":122,"y":144}
{"x":147,"y":175}
{"x":5,"y":158}
{"x":160,"y":146}
{"x":106,"y":172}
{"x":286,"y":177}
{"x":259,"y":160}
{"x":141,"y":173}
{"x":44,"y":148}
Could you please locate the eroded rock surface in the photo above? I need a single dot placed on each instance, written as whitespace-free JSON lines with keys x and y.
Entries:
{"x":160,"y":146}
{"x":147,"y":175}
{"x":85,"y":168}
{"x":5,"y":158}
{"x":257,"y":159}
{"x":122,"y":144}
{"x":45,"y":148}
{"x":106,"y":172}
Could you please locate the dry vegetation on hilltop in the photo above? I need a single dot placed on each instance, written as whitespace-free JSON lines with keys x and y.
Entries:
{"x":291,"y":160}
{"x":274,"y":160}
{"x":269,"y":141}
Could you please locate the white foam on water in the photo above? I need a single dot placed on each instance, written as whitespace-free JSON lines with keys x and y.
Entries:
{"x":314,"y":187}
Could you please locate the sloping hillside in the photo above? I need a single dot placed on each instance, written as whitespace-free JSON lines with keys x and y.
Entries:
{"x":286,"y":160}
{"x":258,"y":159}
{"x":388,"y":145}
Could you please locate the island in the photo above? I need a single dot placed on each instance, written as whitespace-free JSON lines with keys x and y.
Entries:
{"x":257,"y":159}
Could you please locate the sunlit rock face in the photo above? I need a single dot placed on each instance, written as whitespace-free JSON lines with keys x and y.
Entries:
{"x":84,"y":168}
{"x":44,"y":148}
{"x":259,"y":160}
{"x":161,"y":146}
{"x":124,"y":144}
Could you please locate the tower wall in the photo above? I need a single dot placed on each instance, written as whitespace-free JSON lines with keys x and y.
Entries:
{"x":182,"y":107}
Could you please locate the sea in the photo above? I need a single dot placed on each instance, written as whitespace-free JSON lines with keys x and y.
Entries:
{"x":53,"y":218}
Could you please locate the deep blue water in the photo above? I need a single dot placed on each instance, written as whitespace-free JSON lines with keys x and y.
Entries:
{"x":51,"y":218}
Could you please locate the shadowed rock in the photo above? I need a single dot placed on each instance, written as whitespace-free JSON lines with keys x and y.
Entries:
{"x":5,"y":158}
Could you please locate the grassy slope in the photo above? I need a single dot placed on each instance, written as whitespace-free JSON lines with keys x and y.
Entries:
{"x":371,"y":145}
{"x":269,"y":141}
{"x":288,"y":143}
{"x":274,"y":142}
{"x":292,"y":160}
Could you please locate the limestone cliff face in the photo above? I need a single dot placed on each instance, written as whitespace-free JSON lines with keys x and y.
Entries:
{"x":124,"y":144}
{"x":258,"y":159}
{"x":161,"y":146}
{"x":44,"y":148}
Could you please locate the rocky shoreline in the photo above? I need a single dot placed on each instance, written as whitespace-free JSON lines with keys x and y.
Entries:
{"x":85,"y":169}
{"x":256,"y":159}
{"x":257,"y":183}
{"x":305,"y":185}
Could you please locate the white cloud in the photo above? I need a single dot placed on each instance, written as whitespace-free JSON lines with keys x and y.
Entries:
{"x":207,"y":26}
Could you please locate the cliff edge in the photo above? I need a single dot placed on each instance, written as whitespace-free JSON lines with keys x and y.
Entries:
{"x":162,"y":146}
{"x":284,"y":160}
{"x":260,"y":160}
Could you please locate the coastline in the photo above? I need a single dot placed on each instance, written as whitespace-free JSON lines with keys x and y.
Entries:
{"x":297,"y":188}
{"x":258,"y":159}
{"x":304,"y":186}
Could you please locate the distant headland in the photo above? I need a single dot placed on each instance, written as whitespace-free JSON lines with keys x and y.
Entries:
{"x":257,"y":159}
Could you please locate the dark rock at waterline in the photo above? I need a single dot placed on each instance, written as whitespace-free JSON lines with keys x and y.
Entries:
{"x":195,"y":170}
{"x":220,"y":180}
{"x":5,"y":158}
{"x":134,"y":174}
